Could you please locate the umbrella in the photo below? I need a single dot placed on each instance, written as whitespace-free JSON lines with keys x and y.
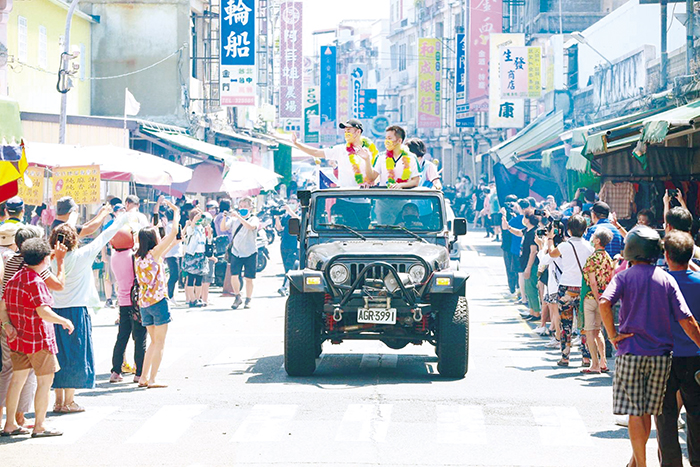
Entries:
{"x":244,"y":178}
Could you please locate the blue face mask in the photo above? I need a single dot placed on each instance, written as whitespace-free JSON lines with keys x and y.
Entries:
{"x":243,"y":212}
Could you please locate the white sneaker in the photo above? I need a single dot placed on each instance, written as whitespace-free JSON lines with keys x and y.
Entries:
{"x":553,"y":343}
{"x":576,"y":341}
{"x":541,"y":330}
{"x":622,"y":420}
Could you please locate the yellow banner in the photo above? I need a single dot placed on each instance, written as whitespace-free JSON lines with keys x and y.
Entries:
{"x":80,"y":183}
{"x":33,"y":196}
{"x":534,"y":55}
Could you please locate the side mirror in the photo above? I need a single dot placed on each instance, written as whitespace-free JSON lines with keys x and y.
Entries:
{"x":294,"y":226}
{"x":304,"y":197}
{"x":459,"y":227}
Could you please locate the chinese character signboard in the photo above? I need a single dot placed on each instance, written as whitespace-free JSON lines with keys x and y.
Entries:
{"x":80,"y":183}
{"x":343,"y":97}
{"x":520,"y":72}
{"x":367,"y":107}
{"x":503,"y":112}
{"x":461,"y":101}
{"x":328,"y":94}
{"x":429,"y":93}
{"x":311,"y":118}
{"x":485,"y":18}
{"x":358,"y":73}
{"x":291,"y":60}
{"x":237,"y":54}
{"x":34,"y":195}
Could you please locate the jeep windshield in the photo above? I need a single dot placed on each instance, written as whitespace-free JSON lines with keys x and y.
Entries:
{"x":385,"y":213}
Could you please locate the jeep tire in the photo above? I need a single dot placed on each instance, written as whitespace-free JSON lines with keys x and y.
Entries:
{"x":300,"y":333}
{"x":452,"y":335}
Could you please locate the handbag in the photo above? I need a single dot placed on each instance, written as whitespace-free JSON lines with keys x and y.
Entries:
{"x":134,"y":295}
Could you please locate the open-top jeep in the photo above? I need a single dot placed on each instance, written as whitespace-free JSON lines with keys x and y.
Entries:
{"x":375,"y":265}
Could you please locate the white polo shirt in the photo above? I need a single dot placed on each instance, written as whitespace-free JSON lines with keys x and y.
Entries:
{"x":346,"y":175}
{"x":380,"y":166}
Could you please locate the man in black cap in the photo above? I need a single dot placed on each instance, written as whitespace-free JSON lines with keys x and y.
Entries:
{"x":67,"y":207}
{"x":599,"y":217}
{"x":15,"y":210}
{"x":354,"y":158}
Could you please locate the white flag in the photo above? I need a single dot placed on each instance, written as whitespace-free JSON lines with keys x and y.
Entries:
{"x":131,"y":105}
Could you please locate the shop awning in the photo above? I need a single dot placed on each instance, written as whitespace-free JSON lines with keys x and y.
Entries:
{"x":190,"y":144}
{"x":247,"y":138}
{"x":540,"y":133}
{"x":574,"y":158}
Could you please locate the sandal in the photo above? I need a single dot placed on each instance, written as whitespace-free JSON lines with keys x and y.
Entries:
{"x":588,"y":371}
{"x":57,"y":408}
{"x":47,"y":433}
{"x":604,"y":369}
{"x":563,"y":362}
{"x":73,"y":407}
{"x":17,"y":432}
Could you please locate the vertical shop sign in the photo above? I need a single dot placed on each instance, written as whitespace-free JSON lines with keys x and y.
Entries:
{"x":485,"y":18}
{"x":343,"y":97}
{"x":503,"y":112}
{"x":429,"y":92}
{"x":461,"y":101}
{"x":328,"y":94}
{"x":358,"y":73}
{"x":367,"y":107}
{"x":520,"y":72}
{"x":237,"y":54}
{"x":291,"y":105}
{"x":311,"y":117}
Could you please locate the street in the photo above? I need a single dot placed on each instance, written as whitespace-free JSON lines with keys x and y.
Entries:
{"x":229,"y":401}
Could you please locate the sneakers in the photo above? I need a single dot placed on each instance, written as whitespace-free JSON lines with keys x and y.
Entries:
{"x":576,"y":341}
{"x":238,"y":301}
{"x":109,"y":303}
{"x":115,"y":378}
{"x":247,"y":303}
{"x":127,"y":369}
{"x":622,"y":420}
{"x":553,"y":343}
{"x":542,"y":330}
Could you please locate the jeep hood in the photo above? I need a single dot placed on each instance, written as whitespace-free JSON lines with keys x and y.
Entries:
{"x":377,"y":249}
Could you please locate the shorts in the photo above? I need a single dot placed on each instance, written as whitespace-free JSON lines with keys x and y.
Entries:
{"x":496,"y":219}
{"x":249,"y":264}
{"x":42,"y":362}
{"x":640,"y":384}
{"x":551,"y":298}
{"x":156,"y":315}
{"x":209,"y":277}
{"x":593,"y":321}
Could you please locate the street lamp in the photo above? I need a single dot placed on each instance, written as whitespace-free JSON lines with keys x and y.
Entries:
{"x":64,"y":82}
{"x":582,"y":39}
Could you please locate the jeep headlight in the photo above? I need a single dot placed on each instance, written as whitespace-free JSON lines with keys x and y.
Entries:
{"x":417,"y":273}
{"x":314,"y":260}
{"x":339,"y":273}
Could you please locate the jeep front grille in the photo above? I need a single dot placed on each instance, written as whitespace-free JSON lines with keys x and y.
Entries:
{"x":376,"y":272}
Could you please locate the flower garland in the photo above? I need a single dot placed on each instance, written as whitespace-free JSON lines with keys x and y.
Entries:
{"x":352,"y":154}
{"x":391,"y":166}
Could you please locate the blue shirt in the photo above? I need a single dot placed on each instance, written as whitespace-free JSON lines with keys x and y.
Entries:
{"x":689,"y":283}
{"x":516,"y":223}
{"x":616,"y":245}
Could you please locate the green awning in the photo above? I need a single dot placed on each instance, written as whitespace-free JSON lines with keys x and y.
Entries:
{"x":10,"y":122}
{"x":656,"y":128}
{"x":575,"y":160}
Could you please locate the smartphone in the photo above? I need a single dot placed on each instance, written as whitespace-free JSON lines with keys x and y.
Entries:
{"x":156,"y":218}
{"x":179,"y":232}
{"x":209,"y":250}
{"x":61,"y":238}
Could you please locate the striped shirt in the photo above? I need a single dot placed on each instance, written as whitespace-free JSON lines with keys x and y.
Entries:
{"x":14,"y":264}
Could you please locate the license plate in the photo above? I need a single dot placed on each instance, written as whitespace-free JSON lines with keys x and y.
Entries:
{"x":376,"y":315}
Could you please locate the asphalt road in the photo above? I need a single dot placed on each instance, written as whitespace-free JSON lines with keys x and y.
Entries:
{"x":229,"y":401}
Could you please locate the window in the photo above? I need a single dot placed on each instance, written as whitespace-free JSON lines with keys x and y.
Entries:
{"x":394,"y":57}
{"x":43,"y":54}
{"x":22,"y":39}
{"x":402,"y":57}
{"x":83,"y":62}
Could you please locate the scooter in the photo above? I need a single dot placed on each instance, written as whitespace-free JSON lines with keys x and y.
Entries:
{"x":263,"y":253}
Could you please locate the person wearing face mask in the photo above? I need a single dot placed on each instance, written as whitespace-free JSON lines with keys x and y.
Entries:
{"x":354,"y":158}
{"x":244,"y":250}
{"x":289,"y":244}
{"x":397,"y":168}
{"x":429,"y":176}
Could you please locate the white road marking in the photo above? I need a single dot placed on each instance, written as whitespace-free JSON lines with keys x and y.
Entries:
{"x":379,"y":361}
{"x":167,"y":425}
{"x":365,"y":422}
{"x":233,"y":356}
{"x":462,"y":424}
{"x":561,"y":426}
{"x":265,"y":423}
{"x":74,"y":425}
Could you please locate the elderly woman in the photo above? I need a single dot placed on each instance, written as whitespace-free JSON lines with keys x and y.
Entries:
{"x":75,"y":353}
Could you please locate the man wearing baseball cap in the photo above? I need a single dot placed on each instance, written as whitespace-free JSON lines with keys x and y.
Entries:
{"x":66,"y":208}
{"x":15,"y":210}
{"x":354,"y":158}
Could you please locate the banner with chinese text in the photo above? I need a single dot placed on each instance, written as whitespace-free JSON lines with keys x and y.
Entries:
{"x":329,"y":97}
{"x":358,"y":80}
{"x":34,"y":195}
{"x":81,"y":183}
{"x":291,"y":105}
{"x":343,"y":97}
{"x":510,"y":112}
{"x":520,"y":72}
{"x":367,"y":103}
{"x":485,"y":18}
{"x":237,"y":54}
{"x":461,"y":101}
{"x":429,"y":93}
{"x":311,"y":118}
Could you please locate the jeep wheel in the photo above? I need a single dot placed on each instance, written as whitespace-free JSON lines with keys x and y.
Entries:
{"x":300,"y":334}
{"x":452,"y":335}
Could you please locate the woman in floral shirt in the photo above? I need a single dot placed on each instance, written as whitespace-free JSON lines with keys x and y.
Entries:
{"x":153,"y":294}
{"x":597,"y":273}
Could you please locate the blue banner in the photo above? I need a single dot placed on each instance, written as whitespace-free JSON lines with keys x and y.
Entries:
{"x":367,"y":105}
{"x":238,"y":32}
{"x":328,"y":85}
{"x":461,"y":101}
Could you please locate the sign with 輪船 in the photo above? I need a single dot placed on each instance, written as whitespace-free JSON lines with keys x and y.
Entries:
{"x":503,"y":112}
{"x":237,"y":53}
{"x":312,"y":121}
{"x":32,"y":195}
{"x":292,"y":60}
{"x":520,"y":72}
{"x":82,"y":183}
{"x":429,"y":92}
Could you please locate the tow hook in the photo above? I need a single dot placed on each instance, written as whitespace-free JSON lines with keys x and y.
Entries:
{"x":417,"y":315}
{"x":337,"y":315}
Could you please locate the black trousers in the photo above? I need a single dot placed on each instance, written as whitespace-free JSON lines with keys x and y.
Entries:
{"x":129,"y":327}
{"x":174,"y":277}
{"x":682,"y":378}
{"x":512,"y":266}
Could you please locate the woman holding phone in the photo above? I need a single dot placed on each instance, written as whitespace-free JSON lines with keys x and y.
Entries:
{"x":153,"y":294}
{"x":75,"y":352}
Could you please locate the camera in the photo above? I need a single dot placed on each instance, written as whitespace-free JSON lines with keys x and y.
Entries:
{"x":539,"y":212}
{"x":672,"y":192}
{"x":541,"y":232}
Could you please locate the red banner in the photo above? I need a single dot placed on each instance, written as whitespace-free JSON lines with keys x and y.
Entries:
{"x":485,"y":17}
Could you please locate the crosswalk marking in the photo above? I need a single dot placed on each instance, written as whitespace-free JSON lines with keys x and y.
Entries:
{"x":167,"y":425}
{"x":74,"y":426}
{"x":265,"y":423}
{"x":463,"y":424}
{"x":233,"y":356}
{"x":365,"y":422}
{"x":561,"y":426}
{"x":379,"y":361}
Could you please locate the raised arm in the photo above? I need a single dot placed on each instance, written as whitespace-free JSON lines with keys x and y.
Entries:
{"x":169,"y":241}
{"x":91,"y":227}
{"x":311,"y":151}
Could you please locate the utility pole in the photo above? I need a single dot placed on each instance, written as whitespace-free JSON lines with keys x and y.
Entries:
{"x":64,"y":81}
{"x":690,"y":35}
{"x":664,"y":45}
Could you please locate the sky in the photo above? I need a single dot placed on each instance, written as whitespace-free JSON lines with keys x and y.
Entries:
{"x":326,"y":14}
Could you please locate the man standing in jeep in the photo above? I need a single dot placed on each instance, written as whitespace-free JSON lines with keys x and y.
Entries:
{"x":397,"y":168}
{"x":354,"y":158}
